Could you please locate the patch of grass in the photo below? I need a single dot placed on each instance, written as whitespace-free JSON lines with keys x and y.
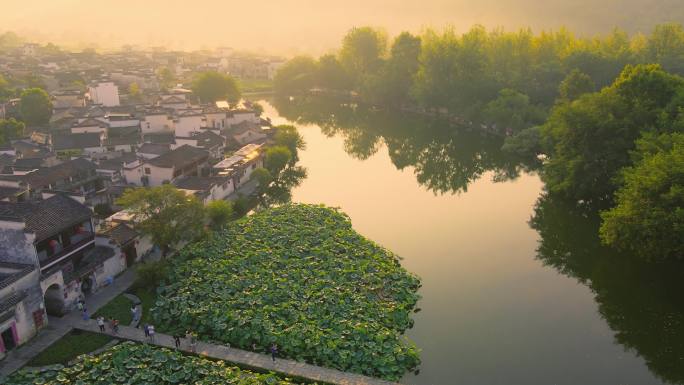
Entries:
{"x":69,"y":347}
{"x":255,"y":85}
{"x":147,"y":298}
{"x":119,"y":308}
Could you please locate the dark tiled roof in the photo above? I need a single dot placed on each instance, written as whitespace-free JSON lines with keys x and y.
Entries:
{"x":159,"y":138}
{"x":154,"y":148}
{"x":124,"y":131}
{"x":92,"y":259}
{"x":121,"y":140}
{"x":18,"y":270}
{"x":6,"y":192}
{"x":6,"y":159}
{"x":28,"y":164}
{"x":208,"y":139}
{"x":173,"y":99}
{"x":90,"y":122}
{"x":121,"y":234}
{"x":9,"y":301}
{"x":48,"y":216}
{"x":75,"y":141}
{"x":49,"y":175}
{"x":30,"y":150}
{"x":110,"y":164}
{"x":180,"y":157}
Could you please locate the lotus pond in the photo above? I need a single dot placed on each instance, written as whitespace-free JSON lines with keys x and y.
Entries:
{"x":130,"y":363}
{"x":298,"y":276}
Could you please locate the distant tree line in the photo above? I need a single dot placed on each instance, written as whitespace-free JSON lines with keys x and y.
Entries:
{"x":602,"y":119}
{"x":480,"y":75}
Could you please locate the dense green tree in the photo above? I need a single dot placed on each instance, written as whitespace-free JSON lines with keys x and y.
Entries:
{"x":362,"y":52}
{"x":35,"y":107}
{"x":289,"y":137}
{"x":11,"y":129}
{"x":219,"y":212}
{"x":331,"y":75}
{"x":511,"y":112}
{"x":591,"y":137}
{"x":393,"y":82}
{"x":166,"y":77}
{"x":5,"y":90}
{"x":276,"y":158}
{"x":264,"y":180}
{"x":575,"y":85}
{"x":666,"y":47}
{"x":461,"y":73}
{"x":211,"y":86}
{"x":434,"y":86}
{"x":166,"y":214}
{"x":134,"y":92}
{"x":296,"y":76}
{"x":648,"y":218}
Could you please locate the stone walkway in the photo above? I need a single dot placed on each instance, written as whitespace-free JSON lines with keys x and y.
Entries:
{"x":59,"y":327}
{"x":243,"y":358}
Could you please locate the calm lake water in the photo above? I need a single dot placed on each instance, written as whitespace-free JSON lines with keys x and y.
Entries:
{"x":506,"y":300}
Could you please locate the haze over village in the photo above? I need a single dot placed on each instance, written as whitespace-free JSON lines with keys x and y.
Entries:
{"x":364,"y":192}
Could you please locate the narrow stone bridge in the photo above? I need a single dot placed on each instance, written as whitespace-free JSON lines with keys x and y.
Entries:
{"x":243,"y":358}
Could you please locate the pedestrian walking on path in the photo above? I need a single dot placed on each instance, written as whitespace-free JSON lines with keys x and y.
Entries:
{"x":134,"y":312}
{"x":146,"y":329}
{"x":115,"y":326}
{"x":101,"y":323}
{"x":176,"y":341}
{"x":150,"y":331}
{"x":85,"y":314}
{"x":274,"y":351}
{"x":193,"y":340}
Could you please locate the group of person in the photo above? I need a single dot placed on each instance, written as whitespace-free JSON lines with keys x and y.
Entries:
{"x":190,"y":336}
{"x":113,"y":324}
{"x":150,"y":332}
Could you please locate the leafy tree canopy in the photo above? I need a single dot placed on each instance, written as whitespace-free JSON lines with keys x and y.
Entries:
{"x":592,"y":137}
{"x":211,"y":86}
{"x":296,"y":76}
{"x":165,"y":213}
{"x":575,"y":85}
{"x":219,"y":212}
{"x":649,"y":216}
{"x":35,"y":107}
{"x":10,"y":129}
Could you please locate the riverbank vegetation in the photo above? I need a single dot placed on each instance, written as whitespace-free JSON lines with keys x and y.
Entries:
{"x":143,"y":364}
{"x":298,"y":276}
{"x":572,"y":109}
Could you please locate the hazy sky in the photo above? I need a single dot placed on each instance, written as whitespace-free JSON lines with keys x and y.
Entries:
{"x":313,"y":26}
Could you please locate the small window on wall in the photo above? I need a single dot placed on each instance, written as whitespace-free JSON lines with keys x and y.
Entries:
{"x":148,"y":171}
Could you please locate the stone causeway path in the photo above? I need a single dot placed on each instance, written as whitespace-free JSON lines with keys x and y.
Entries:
{"x":242,"y":357}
